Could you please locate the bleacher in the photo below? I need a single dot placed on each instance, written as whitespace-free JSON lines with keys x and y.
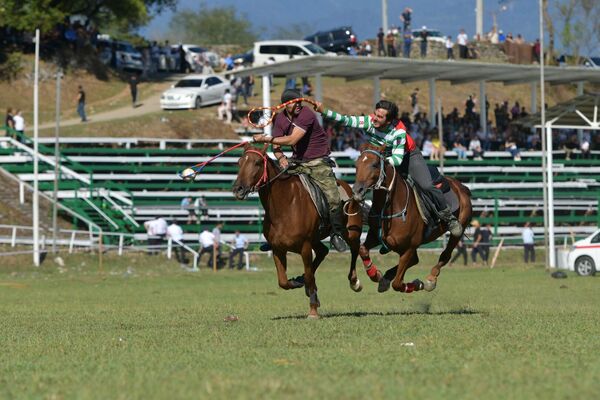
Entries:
{"x":120,"y":183}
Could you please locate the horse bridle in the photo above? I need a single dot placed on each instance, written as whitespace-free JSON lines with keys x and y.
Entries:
{"x":264,"y":178}
{"x":379,"y":185}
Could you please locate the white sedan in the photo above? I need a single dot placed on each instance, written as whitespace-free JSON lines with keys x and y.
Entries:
{"x":195,"y":91}
{"x":584,"y":257}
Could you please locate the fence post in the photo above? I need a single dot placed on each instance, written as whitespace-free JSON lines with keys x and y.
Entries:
{"x":72,"y":242}
{"x":169,"y":247}
{"x":120,"y":245}
{"x":247,"y":259}
{"x":21,"y":193}
{"x":496,"y":216}
{"x":598,"y":213}
{"x":195,"y":268}
{"x":13,"y":242}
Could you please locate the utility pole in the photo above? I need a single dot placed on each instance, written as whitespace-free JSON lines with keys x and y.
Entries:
{"x":479,"y":18}
{"x":36,"y":199}
{"x":384,"y":15}
{"x":56,"y":163}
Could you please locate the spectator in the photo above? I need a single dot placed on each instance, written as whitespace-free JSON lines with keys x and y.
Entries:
{"x":186,"y":204}
{"x":182,"y":62}
{"x":201,"y":207}
{"x":570,"y":146}
{"x":585,"y":148}
{"x":414,"y":101}
{"x":463,"y":40}
{"x":423,"y":35}
{"x":475,"y":147}
{"x":406,"y":18}
{"x":449,"y":48}
{"x":511,"y":146}
{"x":536,"y":51}
{"x":217,"y":234}
{"x":133,"y":83}
{"x":476,"y":240}
{"x":381,"y":43}
{"x":207,"y":245}
{"x":306,"y":86}
{"x":156,"y":229}
{"x":427,"y":147}
{"x":228,"y":63}
{"x":238,"y":246}
{"x":501,"y":36}
{"x":461,"y":249}
{"x":519,"y":39}
{"x":19,"y":125}
{"x":459,"y":148}
{"x":175,"y":233}
{"x":9,"y":121}
{"x":81,"y":103}
{"x":225,"y":108}
{"x":407,"y":45}
{"x":390,"y":41}
{"x":528,"y":243}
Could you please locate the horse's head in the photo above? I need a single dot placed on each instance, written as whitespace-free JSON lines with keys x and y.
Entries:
{"x":369,"y":171}
{"x":252,"y":173}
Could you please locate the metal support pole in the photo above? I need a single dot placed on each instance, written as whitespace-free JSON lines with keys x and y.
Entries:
{"x":482,"y":108}
{"x":580,"y":93}
{"x":552,"y":256}
{"x":534,"y":88}
{"x":384,"y":19}
{"x":441,"y":153}
{"x":56,"y":163}
{"x":479,"y":18}
{"x":266,"y":87}
{"x":120,"y":252}
{"x":543,"y":124}
{"x":431,"y":102}
{"x":36,"y":211}
{"x":319,"y":93}
{"x":376,"y":90}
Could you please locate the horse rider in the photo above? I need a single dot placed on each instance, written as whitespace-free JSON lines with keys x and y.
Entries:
{"x":297,"y":126}
{"x":384,"y":129}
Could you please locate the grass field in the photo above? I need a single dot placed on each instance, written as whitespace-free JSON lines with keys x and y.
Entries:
{"x":143,"y":328}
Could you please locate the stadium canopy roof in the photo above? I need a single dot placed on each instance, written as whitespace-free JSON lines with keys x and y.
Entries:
{"x":410,"y":70}
{"x":580,"y":112}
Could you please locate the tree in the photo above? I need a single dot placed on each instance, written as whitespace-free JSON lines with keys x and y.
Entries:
{"x":581,"y":30}
{"x":218,"y":25}
{"x":45,"y":14}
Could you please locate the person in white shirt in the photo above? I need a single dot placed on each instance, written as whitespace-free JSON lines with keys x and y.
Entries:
{"x":217,"y":234}
{"x":475,"y":147}
{"x":156,"y":229}
{"x":462,"y":39}
{"x":225,"y":108}
{"x":207,"y":245}
{"x":238,"y":246}
{"x":175,"y":232}
{"x":528,"y":243}
{"x":19,"y":125}
{"x":449,"y":48}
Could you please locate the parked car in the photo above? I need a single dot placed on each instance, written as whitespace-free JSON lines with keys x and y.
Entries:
{"x":584,"y":257}
{"x":338,"y":40}
{"x":591,"y":62}
{"x":194,"y":54}
{"x":194,"y":91}
{"x":433,"y":35}
{"x":120,"y":54}
{"x":283,"y":50}
{"x":246,"y":58}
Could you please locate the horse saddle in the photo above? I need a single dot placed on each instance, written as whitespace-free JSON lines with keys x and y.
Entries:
{"x":426,"y":205}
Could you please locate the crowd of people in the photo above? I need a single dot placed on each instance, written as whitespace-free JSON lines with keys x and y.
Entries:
{"x":209,"y":242}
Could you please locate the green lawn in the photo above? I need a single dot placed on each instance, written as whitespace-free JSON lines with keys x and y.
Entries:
{"x":143,"y":328}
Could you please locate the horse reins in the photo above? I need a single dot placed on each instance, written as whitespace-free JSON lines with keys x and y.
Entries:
{"x":265,"y":176}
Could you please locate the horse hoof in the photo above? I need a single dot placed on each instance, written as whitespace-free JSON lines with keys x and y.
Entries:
{"x":357,"y":286}
{"x":419,"y":285}
{"x":384,"y":285}
{"x":429,"y":285}
{"x":297,"y":282}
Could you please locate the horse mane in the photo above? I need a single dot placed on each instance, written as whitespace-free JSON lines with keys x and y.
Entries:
{"x":369,"y":146}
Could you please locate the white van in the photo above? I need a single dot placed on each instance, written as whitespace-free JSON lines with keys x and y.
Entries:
{"x":283,"y":50}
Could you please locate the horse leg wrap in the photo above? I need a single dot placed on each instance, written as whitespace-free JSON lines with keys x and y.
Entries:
{"x":370,"y":268}
{"x":408,"y":287}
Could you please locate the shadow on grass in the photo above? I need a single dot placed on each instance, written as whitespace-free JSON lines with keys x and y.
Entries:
{"x":360,"y":314}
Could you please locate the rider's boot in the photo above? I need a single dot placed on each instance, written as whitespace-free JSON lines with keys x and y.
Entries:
{"x":337,"y":229}
{"x":454,"y":226}
{"x":265,"y":247}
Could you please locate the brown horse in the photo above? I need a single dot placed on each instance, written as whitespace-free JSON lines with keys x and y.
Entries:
{"x":291,"y":222}
{"x":399,"y":224}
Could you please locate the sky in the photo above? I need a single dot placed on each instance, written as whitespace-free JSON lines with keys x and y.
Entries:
{"x":448,"y":16}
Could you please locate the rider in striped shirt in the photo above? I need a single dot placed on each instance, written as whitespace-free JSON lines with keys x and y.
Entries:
{"x":384,"y":129}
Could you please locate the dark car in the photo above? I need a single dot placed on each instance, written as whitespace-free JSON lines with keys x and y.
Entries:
{"x":337,"y":40}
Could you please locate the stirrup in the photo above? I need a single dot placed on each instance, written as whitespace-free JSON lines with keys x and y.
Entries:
{"x":265,"y":247}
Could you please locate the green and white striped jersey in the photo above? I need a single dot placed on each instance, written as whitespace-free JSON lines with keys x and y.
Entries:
{"x":393,"y":137}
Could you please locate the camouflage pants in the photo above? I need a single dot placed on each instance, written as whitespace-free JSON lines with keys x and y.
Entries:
{"x":321,"y":172}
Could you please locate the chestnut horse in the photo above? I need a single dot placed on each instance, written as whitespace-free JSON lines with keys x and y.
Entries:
{"x":291,"y":222}
{"x":399,"y":223}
